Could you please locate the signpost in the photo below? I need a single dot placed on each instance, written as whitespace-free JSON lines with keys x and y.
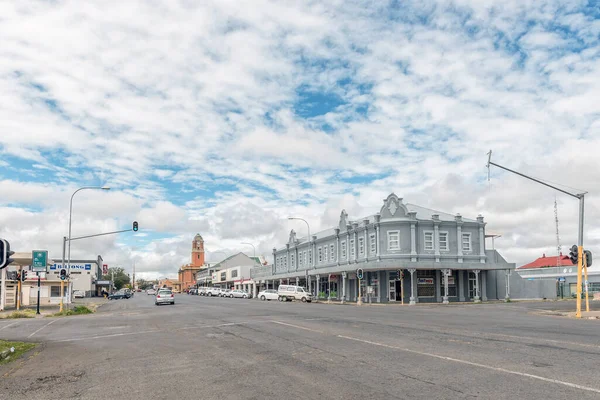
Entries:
{"x":39,"y":265}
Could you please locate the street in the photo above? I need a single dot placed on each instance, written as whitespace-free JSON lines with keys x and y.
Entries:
{"x":215,"y":348}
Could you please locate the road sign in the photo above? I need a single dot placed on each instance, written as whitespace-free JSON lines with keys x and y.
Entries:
{"x":40,"y":260}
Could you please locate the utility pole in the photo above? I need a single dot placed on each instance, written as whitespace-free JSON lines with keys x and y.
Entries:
{"x":581,"y":198}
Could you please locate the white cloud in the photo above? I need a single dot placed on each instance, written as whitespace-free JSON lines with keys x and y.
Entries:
{"x":188,"y":112}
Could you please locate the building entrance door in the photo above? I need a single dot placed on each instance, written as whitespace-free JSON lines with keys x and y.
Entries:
{"x":392,"y":286}
{"x":472,"y":293}
{"x":398,"y":290}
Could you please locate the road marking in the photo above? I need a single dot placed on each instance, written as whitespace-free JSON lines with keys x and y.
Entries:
{"x":6,"y":326}
{"x":104,"y":336}
{"x":474,"y":364}
{"x":297,"y":326}
{"x":48,"y":324}
{"x":533,"y":339}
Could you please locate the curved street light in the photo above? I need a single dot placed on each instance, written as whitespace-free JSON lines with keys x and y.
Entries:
{"x":253,"y":248}
{"x":70,"y":217}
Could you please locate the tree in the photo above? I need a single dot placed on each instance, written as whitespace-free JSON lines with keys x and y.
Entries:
{"x":120,"y":276}
{"x":143,"y":284}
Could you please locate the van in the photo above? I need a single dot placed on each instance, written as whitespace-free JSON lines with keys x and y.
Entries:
{"x":289,"y":293}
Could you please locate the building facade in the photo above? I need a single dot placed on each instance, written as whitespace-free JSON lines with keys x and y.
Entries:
{"x":187,"y":274}
{"x":232,"y":273}
{"x":407,"y":253}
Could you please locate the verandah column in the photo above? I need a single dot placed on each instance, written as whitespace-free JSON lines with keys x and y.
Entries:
{"x":412,"y":286}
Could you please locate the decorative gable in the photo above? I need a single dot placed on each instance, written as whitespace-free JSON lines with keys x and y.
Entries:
{"x":292,"y":237}
{"x":393,"y":207}
{"x":343,"y":220}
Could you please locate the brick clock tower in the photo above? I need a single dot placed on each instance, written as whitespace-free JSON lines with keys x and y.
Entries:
{"x":198,"y":251}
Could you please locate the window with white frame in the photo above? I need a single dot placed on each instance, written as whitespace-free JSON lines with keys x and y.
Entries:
{"x":292,"y":264}
{"x":343,"y":248}
{"x":444,"y":241}
{"x":361,"y":246}
{"x":320,"y":254}
{"x":325,"y":253}
{"x":466,"y":242}
{"x":393,"y":240}
{"x":285,"y":262}
{"x":429,"y":240}
{"x":332,"y":252}
{"x":372,"y":243}
{"x":352,"y":252}
{"x":300,"y":259}
{"x":310,"y":257}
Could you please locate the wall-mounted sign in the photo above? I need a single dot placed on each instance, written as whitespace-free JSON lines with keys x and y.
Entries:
{"x":85,"y":267}
{"x":424,"y":281}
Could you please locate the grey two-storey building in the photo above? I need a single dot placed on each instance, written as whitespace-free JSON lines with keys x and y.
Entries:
{"x":406,"y":253}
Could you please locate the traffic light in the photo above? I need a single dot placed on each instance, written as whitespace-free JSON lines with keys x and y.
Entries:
{"x":23,"y":276}
{"x":63,"y":274}
{"x":5,"y":254}
{"x":588,"y":257}
{"x":135,"y":226}
{"x":574,"y":254}
{"x":359,"y":273}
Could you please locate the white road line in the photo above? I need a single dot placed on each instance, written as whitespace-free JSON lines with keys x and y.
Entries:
{"x":48,"y":324}
{"x":104,"y":336}
{"x":297,"y":326}
{"x":474,"y":364}
{"x":6,"y":326}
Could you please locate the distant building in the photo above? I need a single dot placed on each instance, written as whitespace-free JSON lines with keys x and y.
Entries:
{"x":187,"y":273}
{"x":171,"y":284}
{"x":561,"y":270}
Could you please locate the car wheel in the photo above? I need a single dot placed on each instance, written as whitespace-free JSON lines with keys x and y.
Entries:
{"x":263,"y":298}
{"x":156,"y":304}
{"x":280,"y":298}
{"x":304,"y":299}
{"x":244,"y":296}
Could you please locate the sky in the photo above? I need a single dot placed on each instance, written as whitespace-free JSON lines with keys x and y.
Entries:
{"x":226,"y":117}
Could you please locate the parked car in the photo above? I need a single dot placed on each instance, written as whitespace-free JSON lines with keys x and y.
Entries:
{"x":128,"y":293}
{"x":213,"y":291}
{"x":78,"y":294}
{"x":151,"y":292}
{"x":118,"y":295}
{"x":164,"y":296}
{"x":269,"y":294}
{"x":193,"y":292}
{"x":239,"y":293}
{"x":289,"y":293}
{"x":225,"y":293}
{"x":202,"y":291}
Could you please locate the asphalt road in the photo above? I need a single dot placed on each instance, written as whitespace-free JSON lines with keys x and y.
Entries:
{"x":213,"y":348}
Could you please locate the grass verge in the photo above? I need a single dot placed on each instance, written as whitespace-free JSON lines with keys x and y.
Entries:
{"x":19,"y":347}
{"x":20,"y":314}
{"x":78,"y":310}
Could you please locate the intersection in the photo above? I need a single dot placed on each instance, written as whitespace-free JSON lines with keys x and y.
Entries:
{"x":246,"y":349}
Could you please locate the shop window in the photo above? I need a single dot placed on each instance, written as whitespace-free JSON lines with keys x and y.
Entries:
{"x":451,"y":285}
{"x":425,"y":283}
{"x":54,"y":291}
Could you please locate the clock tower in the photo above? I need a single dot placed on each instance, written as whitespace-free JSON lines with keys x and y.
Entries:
{"x":198,"y":251}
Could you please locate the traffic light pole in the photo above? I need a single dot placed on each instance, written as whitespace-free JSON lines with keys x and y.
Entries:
{"x":581,"y":197}
{"x":38,"y":294}
{"x":62,"y":283}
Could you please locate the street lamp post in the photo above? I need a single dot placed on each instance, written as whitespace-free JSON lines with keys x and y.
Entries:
{"x":69,"y":239}
{"x":253,"y":248}
{"x":309,"y":250}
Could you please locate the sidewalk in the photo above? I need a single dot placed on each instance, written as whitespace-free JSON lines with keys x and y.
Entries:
{"x":91,"y":302}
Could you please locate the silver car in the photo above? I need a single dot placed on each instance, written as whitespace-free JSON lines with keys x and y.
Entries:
{"x":164,"y":296}
{"x":239,"y":293}
{"x":225,"y":293}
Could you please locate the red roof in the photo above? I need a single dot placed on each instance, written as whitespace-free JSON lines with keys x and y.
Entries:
{"x":545,"y":262}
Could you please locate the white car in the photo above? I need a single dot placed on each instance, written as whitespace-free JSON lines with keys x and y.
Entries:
{"x":269,"y":294}
{"x":213,"y":291}
{"x":238,"y":293}
{"x":164,"y":296}
{"x":78,"y":294}
{"x":225,"y":293}
{"x":290,"y":292}
{"x":151,"y":292}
